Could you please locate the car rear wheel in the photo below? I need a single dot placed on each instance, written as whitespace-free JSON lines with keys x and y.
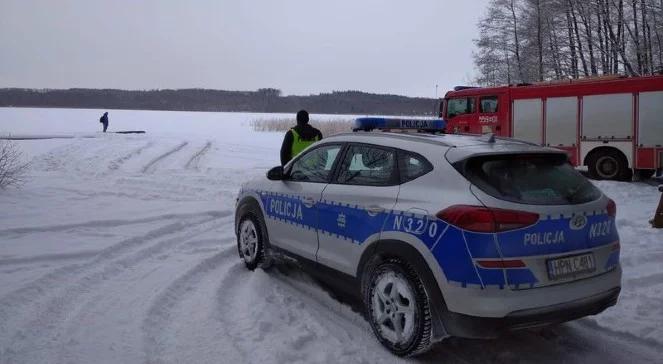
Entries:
{"x":398,"y":308}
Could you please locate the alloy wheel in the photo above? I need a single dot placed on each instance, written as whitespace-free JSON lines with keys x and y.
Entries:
{"x":248,"y":238}
{"x":394,"y":308}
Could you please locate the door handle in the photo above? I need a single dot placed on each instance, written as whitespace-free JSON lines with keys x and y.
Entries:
{"x":374,"y":210}
{"x":308,"y":201}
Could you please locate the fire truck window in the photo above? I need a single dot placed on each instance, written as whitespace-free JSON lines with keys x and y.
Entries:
{"x":460,"y":106}
{"x":488,"y":104}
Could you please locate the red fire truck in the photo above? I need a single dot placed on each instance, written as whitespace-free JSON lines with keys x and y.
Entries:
{"x":612,"y":125}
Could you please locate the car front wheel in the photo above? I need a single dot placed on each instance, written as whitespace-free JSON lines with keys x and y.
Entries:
{"x":398,"y":308}
{"x":250,"y":241}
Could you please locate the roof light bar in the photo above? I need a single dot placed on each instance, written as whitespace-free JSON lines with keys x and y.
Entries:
{"x":368,"y":124}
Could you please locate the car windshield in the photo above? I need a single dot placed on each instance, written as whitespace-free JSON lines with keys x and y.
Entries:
{"x":530,"y":179}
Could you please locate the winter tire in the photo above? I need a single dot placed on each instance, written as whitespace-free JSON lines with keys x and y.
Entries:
{"x":398,"y":307}
{"x":251,"y":241}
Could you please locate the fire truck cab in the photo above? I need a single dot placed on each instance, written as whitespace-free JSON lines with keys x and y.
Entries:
{"x":613,"y":125}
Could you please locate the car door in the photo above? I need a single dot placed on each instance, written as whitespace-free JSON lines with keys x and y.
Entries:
{"x":291,"y":205}
{"x":355,"y":204}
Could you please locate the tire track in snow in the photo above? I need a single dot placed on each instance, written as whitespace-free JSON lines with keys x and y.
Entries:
{"x":161,"y":310}
{"x":624,"y":336}
{"x":226,"y":288}
{"x":645,"y":281}
{"x":350,"y":328}
{"x":106,"y":223}
{"x":50,"y":316}
{"x":194,"y":162}
{"x":637,"y":260}
{"x":296,"y":317}
{"x":580,"y":341}
{"x":79,"y":334}
{"x":117,"y":163}
{"x":321,"y":321}
{"x":149,"y":167}
{"x":48,"y":258}
{"x":46,"y":317}
{"x":50,"y":280}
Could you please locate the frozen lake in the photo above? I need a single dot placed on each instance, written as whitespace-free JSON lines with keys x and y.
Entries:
{"x":120,"y":248}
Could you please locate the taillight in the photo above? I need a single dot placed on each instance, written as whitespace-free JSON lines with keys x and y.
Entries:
{"x":612,"y":208}
{"x":486,"y":220}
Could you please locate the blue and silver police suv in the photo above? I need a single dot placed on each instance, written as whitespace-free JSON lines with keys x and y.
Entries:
{"x":441,"y":235}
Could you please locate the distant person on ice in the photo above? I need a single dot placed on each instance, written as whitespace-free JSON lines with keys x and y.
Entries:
{"x":104,"y":120}
{"x":298,"y":138}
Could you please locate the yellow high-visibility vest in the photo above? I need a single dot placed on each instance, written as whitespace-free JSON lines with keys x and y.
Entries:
{"x":298,"y":144}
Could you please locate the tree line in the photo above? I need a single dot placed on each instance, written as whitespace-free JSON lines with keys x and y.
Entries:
{"x":524,"y":41}
{"x":262,"y":100}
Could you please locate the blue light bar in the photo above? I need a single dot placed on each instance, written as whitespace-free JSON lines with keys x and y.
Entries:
{"x":367,"y":124}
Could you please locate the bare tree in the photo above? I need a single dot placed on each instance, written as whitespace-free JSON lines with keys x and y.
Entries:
{"x":498,"y":54}
{"x":554,"y":49}
{"x":603,"y":47}
{"x":583,"y":10}
{"x":526,"y":40}
{"x":539,"y":39}
{"x":658,"y":29}
{"x":572,"y":43}
{"x":514,"y":28}
{"x":12,"y":167}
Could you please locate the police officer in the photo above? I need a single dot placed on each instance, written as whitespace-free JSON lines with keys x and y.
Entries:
{"x":298,"y":138}
{"x":104,"y":121}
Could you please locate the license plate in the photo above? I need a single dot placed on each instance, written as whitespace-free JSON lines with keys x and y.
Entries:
{"x":566,"y":267}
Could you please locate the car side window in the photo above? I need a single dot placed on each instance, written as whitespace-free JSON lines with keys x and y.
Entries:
{"x":488,"y":104}
{"x":368,"y":165}
{"x":412,"y":166}
{"x":315,"y":165}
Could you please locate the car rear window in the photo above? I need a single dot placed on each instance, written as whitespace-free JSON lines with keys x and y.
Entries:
{"x":543,"y":179}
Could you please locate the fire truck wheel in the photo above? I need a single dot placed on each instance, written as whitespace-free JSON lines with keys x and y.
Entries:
{"x":609,"y":165}
{"x":645,"y":174}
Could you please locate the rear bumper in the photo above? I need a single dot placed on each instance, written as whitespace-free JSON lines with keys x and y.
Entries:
{"x":489,"y":327}
{"x":499,"y":303}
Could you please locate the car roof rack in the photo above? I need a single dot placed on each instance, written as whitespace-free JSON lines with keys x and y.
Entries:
{"x":421,"y":125}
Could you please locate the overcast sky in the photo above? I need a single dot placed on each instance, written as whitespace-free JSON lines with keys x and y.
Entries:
{"x":402,"y":47}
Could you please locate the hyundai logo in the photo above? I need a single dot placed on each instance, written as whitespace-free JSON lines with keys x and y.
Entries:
{"x":578,"y":222}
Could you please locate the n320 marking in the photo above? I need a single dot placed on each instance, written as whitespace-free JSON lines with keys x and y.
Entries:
{"x":600,"y":229}
{"x":415,"y":225}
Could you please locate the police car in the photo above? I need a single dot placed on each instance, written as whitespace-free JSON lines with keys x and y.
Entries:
{"x":441,"y":235}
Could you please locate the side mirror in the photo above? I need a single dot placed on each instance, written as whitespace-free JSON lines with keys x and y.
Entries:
{"x":275,"y":174}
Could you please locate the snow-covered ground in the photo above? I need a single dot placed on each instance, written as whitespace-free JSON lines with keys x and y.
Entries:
{"x":120,"y":249}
